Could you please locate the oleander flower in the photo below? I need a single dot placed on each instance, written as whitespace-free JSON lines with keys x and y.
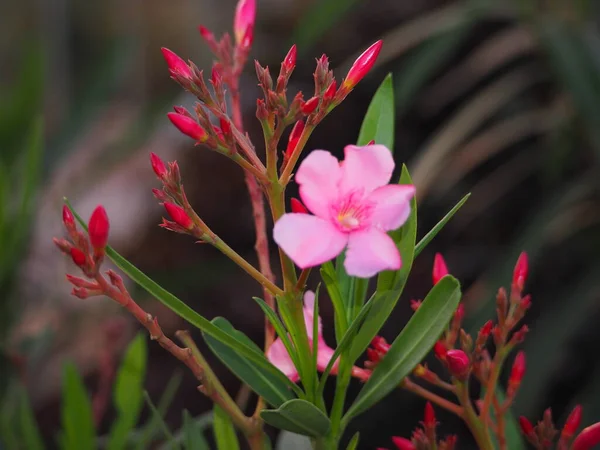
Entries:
{"x":352,"y":206}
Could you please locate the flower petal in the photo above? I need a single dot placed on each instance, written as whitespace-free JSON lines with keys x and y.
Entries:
{"x":318,"y":177}
{"x":324,"y":355}
{"x":366,"y":168}
{"x":370,"y":251}
{"x":277,"y":354}
{"x":392,"y":205}
{"x":308,"y":310}
{"x":308,"y":240}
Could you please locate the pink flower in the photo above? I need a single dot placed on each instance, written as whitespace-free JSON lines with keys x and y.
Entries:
{"x":353,"y":207}
{"x":279,"y":357}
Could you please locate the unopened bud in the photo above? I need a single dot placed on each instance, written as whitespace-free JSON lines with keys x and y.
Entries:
{"x":526,"y":426}
{"x":440,"y":270}
{"x":572,"y":424}
{"x":415,"y":304}
{"x":179,"y":215}
{"x":225,"y":126}
{"x":245,"y":15}
{"x":289,"y":62}
{"x":294,"y":138}
{"x":98,"y":228}
{"x":177,"y":66}
{"x":403,"y":443}
{"x":297,"y":206}
{"x":458,"y":363}
{"x":517,"y":372}
{"x":440,"y":350}
{"x":521,"y":271}
{"x":362,"y":65}
{"x":330,"y":92}
{"x":158,"y":166}
{"x":310,"y":105}
{"x":588,"y":438}
{"x":261,"y":110}
{"x":78,"y":257}
{"x":188,"y":126}
{"x":429,"y":416}
{"x":68,"y":218}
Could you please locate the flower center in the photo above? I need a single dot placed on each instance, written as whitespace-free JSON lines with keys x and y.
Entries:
{"x":352,"y":212}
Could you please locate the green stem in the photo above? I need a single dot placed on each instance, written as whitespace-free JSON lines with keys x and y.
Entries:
{"x":285,"y":177}
{"x":470,"y":417}
{"x":337,"y":409}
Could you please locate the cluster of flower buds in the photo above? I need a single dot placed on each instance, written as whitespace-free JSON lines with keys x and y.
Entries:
{"x":85,"y":250}
{"x":543,"y":435}
{"x":424,"y":437}
{"x":379,"y":347}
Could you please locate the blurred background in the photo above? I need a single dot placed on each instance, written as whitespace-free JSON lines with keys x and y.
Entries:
{"x":501,"y":99}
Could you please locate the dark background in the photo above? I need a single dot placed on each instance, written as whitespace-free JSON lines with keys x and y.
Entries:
{"x":501,"y":99}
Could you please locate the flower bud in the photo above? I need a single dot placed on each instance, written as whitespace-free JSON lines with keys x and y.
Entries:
{"x":261,"y":110}
{"x":158,"y":166}
{"x":429,"y":416}
{"x":297,"y":206}
{"x":458,"y":363}
{"x":362,"y":65}
{"x":403,"y":443}
{"x":440,"y":270}
{"x":98,"y":227}
{"x":572,"y":423}
{"x":179,"y":215}
{"x":188,"y":126}
{"x":289,"y":62}
{"x":521,"y":271}
{"x":310,"y":105}
{"x":415,"y":304}
{"x":588,"y":438}
{"x":245,"y":15}
{"x":518,"y":370}
{"x":330,"y":92}
{"x":207,"y":35}
{"x":177,"y":66}
{"x":440,"y":350}
{"x":294,"y":138}
{"x":78,"y":257}
{"x":526,"y":426}
{"x":68,"y":218}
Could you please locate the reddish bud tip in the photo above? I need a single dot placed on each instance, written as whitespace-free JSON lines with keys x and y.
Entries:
{"x":486,"y":329}
{"x":225,"y":126}
{"x":188,"y":126}
{"x":440,"y":270}
{"x":78,"y":256}
{"x":458,"y":363}
{"x":362,"y":65}
{"x":158,"y":166}
{"x":245,"y":15}
{"x":206,"y":34}
{"x":330,"y":92}
{"x":521,"y":271}
{"x":380,"y":344}
{"x":415,"y":304}
{"x":298,"y":207}
{"x":177,"y":66}
{"x":526,"y":426}
{"x":588,"y":438}
{"x":289,"y":62}
{"x":179,"y":215}
{"x":371,"y":142}
{"x":429,"y":416}
{"x":460,"y":312}
{"x":518,"y":369}
{"x":98,"y":227}
{"x":403,"y":443}
{"x":440,"y":350}
{"x":294,"y":138}
{"x":310,"y":105}
{"x":68,"y":218}
{"x":572,"y":424}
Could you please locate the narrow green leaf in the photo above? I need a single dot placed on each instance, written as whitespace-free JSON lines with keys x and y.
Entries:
{"x":193,"y":437}
{"x":77,"y":420}
{"x":411,"y":346}
{"x":224,"y":432}
{"x":262,"y":382}
{"x":252,"y":353}
{"x":379,"y":124}
{"x":328,"y":276}
{"x":160,"y":421}
{"x":438,"y":227}
{"x":129,"y":392}
{"x":30,"y":432}
{"x":298,"y":416}
{"x":353,"y":444}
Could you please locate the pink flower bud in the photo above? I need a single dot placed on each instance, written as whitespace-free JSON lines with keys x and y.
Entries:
{"x":486,"y":329}
{"x":440,"y":350}
{"x":415,"y":304}
{"x":245,"y":15}
{"x":158,"y":166}
{"x":225,"y":126}
{"x":78,"y":256}
{"x":362,"y":65}
{"x":179,"y":215}
{"x":297,"y":206}
{"x":289,"y":62}
{"x":518,"y":369}
{"x":98,"y":227}
{"x":330,"y":92}
{"x":440,"y":270}
{"x":206,"y":34}
{"x":521,"y":271}
{"x":188,"y":126}
{"x":403,"y":443}
{"x":458,"y":363}
{"x":177,"y":66}
{"x":526,"y":426}
{"x":429,"y":416}
{"x":68,"y":218}
{"x":588,"y":438}
{"x":310,"y":105}
{"x":294,"y":138}
{"x":572,"y":423}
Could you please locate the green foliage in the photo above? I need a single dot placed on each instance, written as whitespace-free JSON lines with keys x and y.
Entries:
{"x":193,"y":435}
{"x":298,"y":416}
{"x":78,"y":431}
{"x":224,"y":432}
{"x":379,"y":124}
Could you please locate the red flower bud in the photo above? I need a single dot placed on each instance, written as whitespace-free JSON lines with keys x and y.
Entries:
{"x":518,"y":369}
{"x":298,"y":207}
{"x":588,"y":438}
{"x":188,"y":126}
{"x":177,"y":66}
{"x":371,"y":142}
{"x":415,"y":304}
{"x":179,"y":215}
{"x":572,"y":423}
{"x":429,"y":416}
{"x":521,"y":271}
{"x":294,"y":138}
{"x":310,"y":105}
{"x":330,"y":92}
{"x":460,"y":312}
{"x":526,"y":426}
{"x":380,"y":344}
{"x":362,"y":65}
{"x":158,"y":166}
{"x":440,"y":270}
{"x":206,"y":34}
{"x":486,"y":329}
{"x":78,"y":256}
{"x":68,"y":218}
{"x":245,"y":15}
{"x":225,"y":126}
{"x":289,"y":62}
{"x":440,"y":350}
{"x":458,"y":363}
{"x":403,"y":443}
{"x":98,"y":227}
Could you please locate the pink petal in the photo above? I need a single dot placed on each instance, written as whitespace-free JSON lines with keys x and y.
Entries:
{"x":318,"y":177}
{"x":392,"y":205}
{"x":370,"y":251}
{"x":278,"y":356}
{"x":324,"y":355}
{"x":366,"y":168}
{"x":308,"y":240}
{"x":308,"y":310}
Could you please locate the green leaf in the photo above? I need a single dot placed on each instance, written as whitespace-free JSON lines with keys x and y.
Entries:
{"x":353,"y":444}
{"x":224,"y":432}
{"x":193,"y":436}
{"x":157,"y":418}
{"x":30,"y":432}
{"x":129,"y":392}
{"x":379,"y":123}
{"x":411,"y":346}
{"x":292,"y":441}
{"x":252,"y":353}
{"x":441,"y":224}
{"x":262,"y":382}
{"x":329,"y":277}
{"x":77,"y":420}
{"x":298,"y":416}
